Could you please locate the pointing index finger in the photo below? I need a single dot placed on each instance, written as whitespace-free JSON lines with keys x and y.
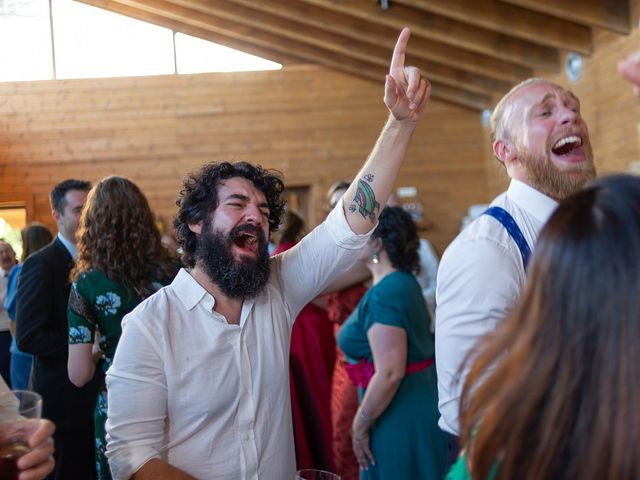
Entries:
{"x":397,"y":60}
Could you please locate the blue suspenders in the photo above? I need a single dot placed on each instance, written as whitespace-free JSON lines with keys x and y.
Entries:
{"x":514,"y":231}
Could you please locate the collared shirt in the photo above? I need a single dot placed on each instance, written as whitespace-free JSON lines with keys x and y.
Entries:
{"x":71,"y":248}
{"x":480,"y":278}
{"x":212,"y":398}
{"x":4,"y":316}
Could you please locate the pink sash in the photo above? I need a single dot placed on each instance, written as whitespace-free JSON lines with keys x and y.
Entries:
{"x":360,"y":373}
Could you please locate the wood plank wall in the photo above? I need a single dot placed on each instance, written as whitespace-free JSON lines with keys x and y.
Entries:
{"x":314,"y":125}
{"x":608,"y":105}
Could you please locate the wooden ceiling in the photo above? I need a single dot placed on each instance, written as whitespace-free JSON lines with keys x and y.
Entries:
{"x":471,"y":50}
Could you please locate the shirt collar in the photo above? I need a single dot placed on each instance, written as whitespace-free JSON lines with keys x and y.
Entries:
{"x":191,"y":293}
{"x":533,"y":201}
{"x":73,"y":251}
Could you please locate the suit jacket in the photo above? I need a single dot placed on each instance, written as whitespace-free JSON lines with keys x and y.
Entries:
{"x":42,"y":330}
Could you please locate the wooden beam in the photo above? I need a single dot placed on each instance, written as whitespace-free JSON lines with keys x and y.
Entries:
{"x":284,"y":58}
{"x":383,"y":36}
{"x":311,"y":54}
{"x":451,"y":32}
{"x":439,"y":91}
{"x":611,"y":15}
{"x":513,"y":21}
{"x":235,"y":16}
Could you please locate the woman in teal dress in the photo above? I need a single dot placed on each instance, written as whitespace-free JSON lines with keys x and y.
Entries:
{"x":121,"y":261}
{"x":390,"y":353}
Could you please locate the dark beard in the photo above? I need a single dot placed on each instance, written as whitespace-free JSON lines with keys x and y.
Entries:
{"x":236,"y":278}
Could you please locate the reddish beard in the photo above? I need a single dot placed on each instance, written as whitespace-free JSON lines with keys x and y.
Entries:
{"x":545,"y":176}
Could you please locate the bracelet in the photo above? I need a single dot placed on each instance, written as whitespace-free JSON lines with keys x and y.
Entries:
{"x":364,"y":416}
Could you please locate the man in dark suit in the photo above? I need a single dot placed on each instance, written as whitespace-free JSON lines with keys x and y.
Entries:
{"x":42,"y":298}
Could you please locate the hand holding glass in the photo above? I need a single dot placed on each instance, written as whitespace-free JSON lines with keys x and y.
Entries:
{"x":18,"y":409}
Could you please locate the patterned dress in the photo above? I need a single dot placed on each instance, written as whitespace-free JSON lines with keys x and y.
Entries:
{"x":98,"y":303}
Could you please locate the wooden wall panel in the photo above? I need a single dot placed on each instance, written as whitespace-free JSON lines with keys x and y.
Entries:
{"x":608,"y":105}
{"x":314,"y":125}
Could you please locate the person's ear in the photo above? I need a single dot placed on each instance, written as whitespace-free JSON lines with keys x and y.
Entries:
{"x":196,"y":227}
{"x":505,"y":151}
{"x":56,"y":215}
{"x":376,"y":244}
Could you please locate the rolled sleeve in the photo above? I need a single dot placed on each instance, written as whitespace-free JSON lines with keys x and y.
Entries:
{"x":137,"y":401}
{"x":322,"y":256}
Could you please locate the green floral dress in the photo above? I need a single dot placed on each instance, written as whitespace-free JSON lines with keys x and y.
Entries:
{"x":98,"y":303}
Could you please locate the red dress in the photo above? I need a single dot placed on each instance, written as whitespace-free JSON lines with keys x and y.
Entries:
{"x":311,"y":360}
{"x":344,"y":395}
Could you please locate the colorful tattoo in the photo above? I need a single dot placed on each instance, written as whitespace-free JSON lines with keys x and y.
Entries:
{"x":366,"y":199}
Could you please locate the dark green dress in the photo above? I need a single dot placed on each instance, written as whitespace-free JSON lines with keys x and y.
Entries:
{"x":405,"y":440}
{"x":107,"y":302}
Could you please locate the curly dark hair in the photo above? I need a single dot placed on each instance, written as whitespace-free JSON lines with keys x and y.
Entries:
{"x":399,"y":235}
{"x":118,"y":236}
{"x":199,"y":197}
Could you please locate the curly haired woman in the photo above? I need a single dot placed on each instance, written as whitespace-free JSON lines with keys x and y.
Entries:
{"x":121,"y":261}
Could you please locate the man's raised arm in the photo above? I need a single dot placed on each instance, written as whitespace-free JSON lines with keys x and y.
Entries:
{"x":406,"y":94}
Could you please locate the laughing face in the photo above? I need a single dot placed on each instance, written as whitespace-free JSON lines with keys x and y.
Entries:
{"x":550,"y":141}
{"x":232,"y":248}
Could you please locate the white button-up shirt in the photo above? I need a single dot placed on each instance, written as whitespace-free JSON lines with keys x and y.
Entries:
{"x":480,"y":279}
{"x":212,"y":398}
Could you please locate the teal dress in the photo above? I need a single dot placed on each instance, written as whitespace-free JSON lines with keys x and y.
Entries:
{"x":405,"y":440}
{"x":100,"y":303}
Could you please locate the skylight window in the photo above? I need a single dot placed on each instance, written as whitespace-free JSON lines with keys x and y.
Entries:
{"x":25,"y":40}
{"x":90,"y":42}
{"x":195,"y":55}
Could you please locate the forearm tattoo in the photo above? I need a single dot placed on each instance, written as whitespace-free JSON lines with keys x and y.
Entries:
{"x":365,"y":199}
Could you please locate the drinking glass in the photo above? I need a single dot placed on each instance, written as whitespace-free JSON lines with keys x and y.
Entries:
{"x":316,"y":475}
{"x":16,"y":408}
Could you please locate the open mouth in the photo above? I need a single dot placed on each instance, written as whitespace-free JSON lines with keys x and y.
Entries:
{"x":246,"y":241}
{"x":567,"y":145}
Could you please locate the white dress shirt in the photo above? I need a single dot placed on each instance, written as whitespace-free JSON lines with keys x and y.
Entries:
{"x":208,"y":397}
{"x":480,"y":278}
{"x":427,"y":276}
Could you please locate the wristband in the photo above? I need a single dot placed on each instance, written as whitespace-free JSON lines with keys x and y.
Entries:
{"x":364,"y":416}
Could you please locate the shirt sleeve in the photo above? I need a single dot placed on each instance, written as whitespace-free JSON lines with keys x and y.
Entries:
{"x":380,"y":309}
{"x":36,"y":331}
{"x":478,"y":283}
{"x":318,"y":259}
{"x":137,"y":401}
{"x":12,"y":290}
{"x":81,"y":329}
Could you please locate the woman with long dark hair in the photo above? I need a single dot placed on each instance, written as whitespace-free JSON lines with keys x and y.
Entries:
{"x":553,"y":393}
{"x":390,"y":350}
{"x":121,"y":261}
